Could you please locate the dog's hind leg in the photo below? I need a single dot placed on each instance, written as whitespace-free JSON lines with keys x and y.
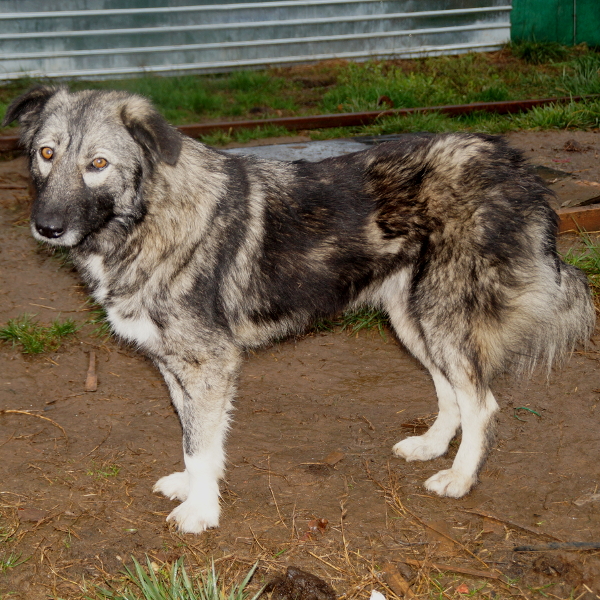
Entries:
{"x":436,"y":440}
{"x":202,"y":392}
{"x":477,"y":412}
{"x":461,"y":402}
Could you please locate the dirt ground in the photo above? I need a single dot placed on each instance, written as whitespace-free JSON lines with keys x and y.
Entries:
{"x":311,"y":481}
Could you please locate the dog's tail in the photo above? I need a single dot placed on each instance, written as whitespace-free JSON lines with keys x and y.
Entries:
{"x":569,"y":320}
{"x":553,"y":314}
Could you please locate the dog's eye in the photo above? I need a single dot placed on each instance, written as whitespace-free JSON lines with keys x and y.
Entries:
{"x":99,"y":163}
{"x":47,"y":153}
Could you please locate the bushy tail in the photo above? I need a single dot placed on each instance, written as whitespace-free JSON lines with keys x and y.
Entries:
{"x":554,"y":317}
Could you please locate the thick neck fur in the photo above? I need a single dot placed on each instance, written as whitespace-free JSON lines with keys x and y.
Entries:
{"x":174,"y":225}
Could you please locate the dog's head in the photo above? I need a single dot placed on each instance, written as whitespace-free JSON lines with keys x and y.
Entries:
{"x":89,"y":153}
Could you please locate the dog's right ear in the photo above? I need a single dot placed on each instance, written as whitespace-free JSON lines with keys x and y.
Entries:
{"x":148,"y":128}
{"x":27,"y":108}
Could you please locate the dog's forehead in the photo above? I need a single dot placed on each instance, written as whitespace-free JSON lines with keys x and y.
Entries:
{"x":89,"y":118}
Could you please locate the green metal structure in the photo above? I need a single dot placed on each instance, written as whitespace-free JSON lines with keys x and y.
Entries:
{"x":568,"y":22}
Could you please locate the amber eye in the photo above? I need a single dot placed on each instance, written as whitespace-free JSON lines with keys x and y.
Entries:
{"x":99,"y":163}
{"x":47,"y":153}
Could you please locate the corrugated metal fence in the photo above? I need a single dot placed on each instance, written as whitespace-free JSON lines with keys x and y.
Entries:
{"x":109,"y":39}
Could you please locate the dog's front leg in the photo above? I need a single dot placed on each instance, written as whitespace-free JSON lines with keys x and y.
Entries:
{"x":202,"y":391}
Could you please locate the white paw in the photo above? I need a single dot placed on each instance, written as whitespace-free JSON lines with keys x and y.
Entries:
{"x":175,"y":486}
{"x":450,"y":483}
{"x":196,"y":517}
{"x":419,"y":447}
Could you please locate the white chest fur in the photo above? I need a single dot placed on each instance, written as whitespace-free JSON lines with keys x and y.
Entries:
{"x":138,"y":328}
{"x":129,"y":316}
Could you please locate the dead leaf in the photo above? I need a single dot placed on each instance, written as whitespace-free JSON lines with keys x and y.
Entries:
{"x":586,"y":499}
{"x":333,"y":458}
{"x":397,"y":583}
{"x":319,"y":525}
{"x":32,"y":515}
{"x":440,"y":533}
{"x":491,"y":526}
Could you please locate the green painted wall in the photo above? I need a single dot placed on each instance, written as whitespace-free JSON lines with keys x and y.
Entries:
{"x":565,"y":21}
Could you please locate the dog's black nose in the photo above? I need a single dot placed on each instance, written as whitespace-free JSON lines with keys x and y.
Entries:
{"x":50,"y":231}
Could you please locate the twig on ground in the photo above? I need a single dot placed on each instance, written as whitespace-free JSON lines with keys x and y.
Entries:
{"x":102,"y":442}
{"x":6,"y":411}
{"x":325,"y":562}
{"x":91,"y":380}
{"x":12,"y":435}
{"x":559,"y":546}
{"x":445,"y":535}
{"x":512,"y":524}
{"x":273,"y":494}
{"x":445,"y":567}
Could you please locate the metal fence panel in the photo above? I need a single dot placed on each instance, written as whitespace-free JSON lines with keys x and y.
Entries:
{"x":108,"y":38}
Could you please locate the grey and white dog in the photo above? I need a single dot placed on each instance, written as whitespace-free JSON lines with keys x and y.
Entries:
{"x":198,"y":255}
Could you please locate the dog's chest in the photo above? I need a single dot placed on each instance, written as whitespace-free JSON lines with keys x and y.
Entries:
{"x":131,"y":321}
{"x":128,"y":314}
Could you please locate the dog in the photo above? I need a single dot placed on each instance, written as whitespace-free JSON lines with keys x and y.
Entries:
{"x":198,"y":255}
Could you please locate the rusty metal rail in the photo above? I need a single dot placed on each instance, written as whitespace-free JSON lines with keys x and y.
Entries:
{"x":367,"y":118}
{"x":10,"y":143}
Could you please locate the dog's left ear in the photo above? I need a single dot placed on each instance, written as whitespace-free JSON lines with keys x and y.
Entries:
{"x":27,"y":108}
{"x":161,"y":141}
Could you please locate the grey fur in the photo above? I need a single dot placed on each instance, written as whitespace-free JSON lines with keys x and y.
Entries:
{"x":197,"y":255}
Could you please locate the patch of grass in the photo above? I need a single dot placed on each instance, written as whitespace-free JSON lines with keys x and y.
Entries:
{"x":437,"y":81}
{"x":99,"y":319}
{"x":222,"y":138}
{"x":12,"y":560}
{"x":353,"y":321}
{"x":105,"y":471}
{"x":576,"y":115}
{"x":32,"y":337}
{"x":584,"y":75}
{"x":58,"y":253}
{"x":180,"y":99}
{"x":174,"y":584}
{"x":259,"y":90}
{"x":185,"y":98}
{"x":588,"y":260}
{"x":539,"y":53}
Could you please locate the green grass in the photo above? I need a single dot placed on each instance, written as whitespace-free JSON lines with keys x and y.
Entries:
{"x":99,"y":319}
{"x":539,"y":53}
{"x":222,"y":138}
{"x":583,"y":76}
{"x":439,"y":81}
{"x":353,"y":321}
{"x":105,"y":471}
{"x":588,"y":260}
{"x":520,"y":71}
{"x":186,"y":98}
{"x":31,"y":337}
{"x":60,"y":254}
{"x":9,"y":561}
{"x":142,"y":583}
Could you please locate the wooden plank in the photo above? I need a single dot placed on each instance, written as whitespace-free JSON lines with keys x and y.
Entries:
{"x":582,"y":218}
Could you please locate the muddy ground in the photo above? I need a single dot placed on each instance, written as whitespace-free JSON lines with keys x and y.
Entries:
{"x":311,"y":481}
